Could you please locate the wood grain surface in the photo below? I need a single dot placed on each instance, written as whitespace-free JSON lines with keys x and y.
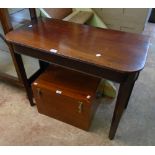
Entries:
{"x":115,"y":50}
{"x":72,"y":105}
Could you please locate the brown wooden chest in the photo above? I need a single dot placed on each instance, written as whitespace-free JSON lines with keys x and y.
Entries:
{"x":66,"y":95}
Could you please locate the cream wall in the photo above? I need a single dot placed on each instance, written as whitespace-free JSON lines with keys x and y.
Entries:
{"x":124,"y":19}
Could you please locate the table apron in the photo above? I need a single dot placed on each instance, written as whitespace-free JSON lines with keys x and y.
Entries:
{"x":72,"y":64}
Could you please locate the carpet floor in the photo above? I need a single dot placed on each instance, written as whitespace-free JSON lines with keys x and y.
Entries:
{"x":21,"y":124}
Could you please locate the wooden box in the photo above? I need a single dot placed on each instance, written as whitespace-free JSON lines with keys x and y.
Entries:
{"x":66,"y":95}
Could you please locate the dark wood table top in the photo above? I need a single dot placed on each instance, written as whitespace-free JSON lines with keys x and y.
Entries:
{"x":115,"y":50}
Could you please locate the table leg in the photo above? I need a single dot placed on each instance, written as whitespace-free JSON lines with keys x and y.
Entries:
{"x":124,"y":93}
{"x":130,"y":91}
{"x":43,"y":65}
{"x":24,"y":78}
{"x":130,"y":88}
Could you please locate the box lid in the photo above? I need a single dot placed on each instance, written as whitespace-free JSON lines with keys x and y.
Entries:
{"x":69,"y":82}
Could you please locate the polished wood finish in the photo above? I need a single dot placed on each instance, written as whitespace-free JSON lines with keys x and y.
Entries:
{"x":121,"y":56}
{"x":125,"y":90}
{"x":130,"y":88}
{"x":119,"y":51}
{"x":75,"y":87}
{"x":71,"y":63}
{"x":33,"y":16}
{"x":23,"y":75}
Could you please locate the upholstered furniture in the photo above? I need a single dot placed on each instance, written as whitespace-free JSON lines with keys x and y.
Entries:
{"x":124,"y":19}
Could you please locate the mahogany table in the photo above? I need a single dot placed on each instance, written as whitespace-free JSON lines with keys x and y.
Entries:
{"x":113,"y":55}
